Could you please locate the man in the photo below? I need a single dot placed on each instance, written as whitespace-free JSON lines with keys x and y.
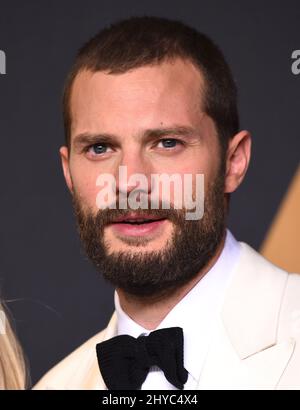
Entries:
{"x":195,"y":308}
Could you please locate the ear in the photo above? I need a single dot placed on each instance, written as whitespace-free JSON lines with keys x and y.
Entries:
{"x":238,"y":158}
{"x":64,"y":156}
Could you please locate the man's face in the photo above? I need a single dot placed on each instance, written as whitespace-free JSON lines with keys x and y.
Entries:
{"x":151,"y":121}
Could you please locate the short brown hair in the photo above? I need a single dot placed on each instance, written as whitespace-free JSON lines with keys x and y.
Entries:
{"x":141,"y":41}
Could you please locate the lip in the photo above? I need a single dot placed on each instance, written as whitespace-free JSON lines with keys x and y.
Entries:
{"x":133,"y":217}
{"x":143,"y":229}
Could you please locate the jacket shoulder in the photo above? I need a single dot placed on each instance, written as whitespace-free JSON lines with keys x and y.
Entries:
{"x":290,"y":309}
{"x":289,"y":329}
{"x":259,"y":263}
{"x":289,"y":281}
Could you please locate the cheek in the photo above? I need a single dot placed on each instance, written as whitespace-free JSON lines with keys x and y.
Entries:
{"x":197,"y":165}
{"x":84,"y":183}
{"x":205,"y":167}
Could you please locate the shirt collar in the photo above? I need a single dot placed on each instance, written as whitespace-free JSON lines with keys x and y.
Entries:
{"x":195,"y":313}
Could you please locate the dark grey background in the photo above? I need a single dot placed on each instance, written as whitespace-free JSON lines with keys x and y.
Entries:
{"x":57,"y":298}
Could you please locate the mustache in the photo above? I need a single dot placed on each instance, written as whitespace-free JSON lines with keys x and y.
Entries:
{"x":108,"y":215}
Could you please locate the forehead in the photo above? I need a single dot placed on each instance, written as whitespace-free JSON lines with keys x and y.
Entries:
{"x":145,"y":97}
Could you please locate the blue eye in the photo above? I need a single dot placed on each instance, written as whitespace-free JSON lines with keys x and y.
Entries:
{"x":98,"y":149}
{"x":169,"y":143}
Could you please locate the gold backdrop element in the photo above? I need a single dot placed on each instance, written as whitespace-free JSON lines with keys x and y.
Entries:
{"x":282,"y":243}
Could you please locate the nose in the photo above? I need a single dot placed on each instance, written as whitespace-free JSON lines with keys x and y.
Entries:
{"x":134,"y":173}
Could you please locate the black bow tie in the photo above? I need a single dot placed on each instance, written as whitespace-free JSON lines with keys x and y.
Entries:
{"x":124,"y":361}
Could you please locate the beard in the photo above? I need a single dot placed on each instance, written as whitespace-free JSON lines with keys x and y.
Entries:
{"x":153,"y":274}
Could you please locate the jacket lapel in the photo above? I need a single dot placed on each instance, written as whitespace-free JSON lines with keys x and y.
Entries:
{"x":244,"y":353}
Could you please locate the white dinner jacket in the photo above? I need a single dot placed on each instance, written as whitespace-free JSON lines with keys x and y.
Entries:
{"x":256,"y":344}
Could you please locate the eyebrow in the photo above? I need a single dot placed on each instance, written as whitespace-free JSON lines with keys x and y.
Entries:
{"x":149,"y":134}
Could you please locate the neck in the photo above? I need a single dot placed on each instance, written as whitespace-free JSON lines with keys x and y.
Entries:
{"x":149,"y":312}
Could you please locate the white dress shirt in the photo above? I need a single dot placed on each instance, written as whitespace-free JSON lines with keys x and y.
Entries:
{"x":196,"y":314}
